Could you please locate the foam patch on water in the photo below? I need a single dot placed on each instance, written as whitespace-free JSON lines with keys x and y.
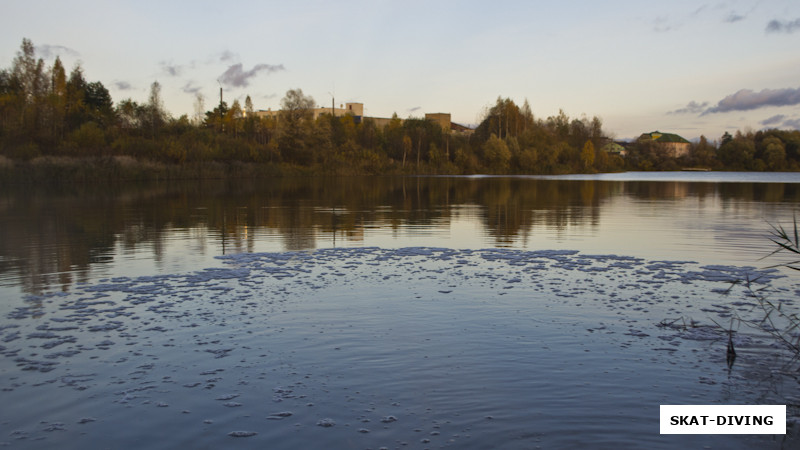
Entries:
{"x":200,"y":340}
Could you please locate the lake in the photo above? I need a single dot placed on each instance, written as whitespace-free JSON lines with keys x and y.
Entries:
{"x":389,"y":312}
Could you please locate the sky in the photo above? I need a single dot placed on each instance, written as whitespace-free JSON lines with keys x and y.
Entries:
{"x":687,"y":67}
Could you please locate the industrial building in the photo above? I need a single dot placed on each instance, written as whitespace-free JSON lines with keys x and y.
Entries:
{"x":357,"y":111}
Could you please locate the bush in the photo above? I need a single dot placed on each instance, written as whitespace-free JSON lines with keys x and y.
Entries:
{"x":22,"y":152}
{"x":89,"y":139}
{"x":497,"y":154}
{"x":135,"y":146}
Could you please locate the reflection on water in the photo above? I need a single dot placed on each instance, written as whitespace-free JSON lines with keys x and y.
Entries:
{"x":378,"y":348}
{"x":55,"y":237}
{"x":565,"y":346}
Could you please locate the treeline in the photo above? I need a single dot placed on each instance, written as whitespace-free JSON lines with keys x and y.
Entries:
{"x":45,"y":112}
{"x":766,"y":150}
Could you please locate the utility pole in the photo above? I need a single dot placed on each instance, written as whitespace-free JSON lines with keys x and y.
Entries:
{"x":333,"y":147}
{"x":221,"y":119}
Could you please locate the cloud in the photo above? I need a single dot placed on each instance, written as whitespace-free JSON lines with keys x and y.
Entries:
{"x":414,"y":109}
{"x":746,"y":100}
{"x":236,"y":76}
{"x":776,"y":26}
{"x":792,"y":123}
{"x":51,"y":51}
{"x":123,"y":85}
{"x":692,"y":108}
{"x":228,"y":55}
{"x":733,"y":18}
{"x":171,"y":69}
{"x":191,"y":88}
{"x":782,"y":122}
{"x":662,"y":24}
{"x":697,"y":11}
{"x":773,"y":120}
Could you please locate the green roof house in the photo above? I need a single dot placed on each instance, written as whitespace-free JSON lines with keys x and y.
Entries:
{"x":612,"y":148}
{"x":672,"y":144}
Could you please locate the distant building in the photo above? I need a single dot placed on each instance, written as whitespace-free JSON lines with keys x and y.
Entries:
{"x":357,"y":111}
{"x":460,"y":129}
{"x":381,"y":122}
{"x":354,"y":109}
{"x":443,"y":119}
{"x":672,"y":144}
{"x":613,"y":148}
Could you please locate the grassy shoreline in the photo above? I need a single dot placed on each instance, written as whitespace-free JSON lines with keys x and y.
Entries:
{"x":122,"y":168}
{"x":62,"y":169}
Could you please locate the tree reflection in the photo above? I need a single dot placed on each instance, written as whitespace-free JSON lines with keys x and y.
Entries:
{"x":52,"y":237}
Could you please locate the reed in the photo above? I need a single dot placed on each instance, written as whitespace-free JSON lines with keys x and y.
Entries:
{"x":767,"y":315}
{"x":785,"y":243}
{"x":772,"y":318}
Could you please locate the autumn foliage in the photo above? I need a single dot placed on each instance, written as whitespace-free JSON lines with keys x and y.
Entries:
{"x":46,"y":113}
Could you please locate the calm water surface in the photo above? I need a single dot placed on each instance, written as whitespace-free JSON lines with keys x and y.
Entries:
{"x":55,"y":237}
{"x":533,"y":324}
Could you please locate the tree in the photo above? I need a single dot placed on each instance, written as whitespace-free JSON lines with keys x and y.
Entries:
{"x":528,"y":160}
{"x":248,"y":107}
{"x":393,"y":135}
{"x":774,"y":153}
{"x":527,"y":115}
{"x":436,"y":156}
{"x":99,"y":105}
{"x":406,"y":148}
{"x":596,"y":130}
{"x":587,"y":155}
{"x":737,"y":153}
{"x":88,"y":138}
{"x":29,"y":73}
{"x":791,"y":141}
{"x":369,"y":135}
{"x":497,"y":154}
{"x":155,"y":109}
{"x":130,"y":115}
{"x":76,"y":93}
{"x":504,"y":119}
{"x":423,"y":133}
{"x":214,"y":118}
{"x":199,"y":108}
{"x":233,"y":119}
{"x":702,"y":154}
{"x":250,"y":119}
{"x":726,"y":137}
{"x":295,"y":124}
{"x":58,"y":98}
{"x":11,"y":104}
{"x":601,"y":160}
{"x":296,"y":106}
{"x":559,"y":125}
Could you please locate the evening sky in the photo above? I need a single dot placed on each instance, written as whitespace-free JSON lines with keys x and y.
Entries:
{"x":686,"y":67}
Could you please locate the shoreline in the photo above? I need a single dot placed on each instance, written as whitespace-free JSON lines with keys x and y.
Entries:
{"x":122,"y":168}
